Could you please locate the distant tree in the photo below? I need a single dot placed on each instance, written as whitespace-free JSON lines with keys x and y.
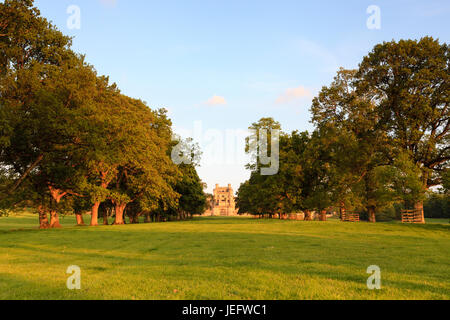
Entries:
{"x":358,"y":143}
{"x":446,"y":181}
{"x":274,"y":194}
{"x":190,"y":188}
{"x":253,"y":145}
{"x":259,"y":196}
{"x":262,"y":194}
{"x":317,"y":177}
{"x":437,"y":206}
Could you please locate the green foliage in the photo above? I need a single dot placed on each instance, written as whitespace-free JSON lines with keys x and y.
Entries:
{"x":27,"y":38}
{"x":437,"y":206}
{"x":398,"y":182}
{"x":68,"y":138}
{"x":410,"y":82}
{"x":252,"y":146}
{"x":190,"y":187}
{"x":446,"y":181}
{"x":273,"y":194}
{"x":381,"y":138}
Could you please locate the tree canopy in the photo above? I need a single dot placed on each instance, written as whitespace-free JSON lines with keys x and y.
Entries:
{"x":381,"y":138}
{"x":70,"y":141}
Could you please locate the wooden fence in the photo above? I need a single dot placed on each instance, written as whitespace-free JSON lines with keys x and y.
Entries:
{"x":350,"y":217}
{"x":412,"y":216}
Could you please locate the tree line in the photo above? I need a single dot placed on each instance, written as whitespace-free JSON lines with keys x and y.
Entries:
{"x":381,"y":139}
{"x":71,"y":142}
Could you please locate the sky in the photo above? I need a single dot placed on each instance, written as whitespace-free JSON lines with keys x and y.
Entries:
{"x":218,"y":66}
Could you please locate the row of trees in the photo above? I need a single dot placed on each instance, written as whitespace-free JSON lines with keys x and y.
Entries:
{"x":437,"y":205}
{"x":381,"y":137}
{"x":70,"y":141}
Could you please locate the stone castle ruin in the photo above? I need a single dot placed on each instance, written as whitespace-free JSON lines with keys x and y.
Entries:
{"x":222,"y":202}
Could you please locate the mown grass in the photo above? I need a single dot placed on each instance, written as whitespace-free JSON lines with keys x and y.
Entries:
{"x":224,"y":258}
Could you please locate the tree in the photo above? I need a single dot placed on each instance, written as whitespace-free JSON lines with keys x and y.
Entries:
{"x":44,"y":94}
{"x":46,"y":125}
{"x":255,"y":145}
{"x":357,"y":140}
{"x":103,"y":146}
{"x":68,"y":138}
{"x":190,"y":188}
{"x":438,"y":206}
{"x":317,"y":176}
{"x":262,"y":194}
{"x":274,"y":194}
{"x":144,"y":168}
{"x":29,"y":47}
{"x":27,"y":38}
{"x":409,"y":81}
{"x":446,"y":181}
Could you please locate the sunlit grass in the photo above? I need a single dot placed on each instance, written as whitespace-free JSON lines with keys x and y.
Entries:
{"x":224,"y":258}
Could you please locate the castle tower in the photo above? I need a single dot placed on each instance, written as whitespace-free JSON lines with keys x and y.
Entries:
{"x":223,"y":201}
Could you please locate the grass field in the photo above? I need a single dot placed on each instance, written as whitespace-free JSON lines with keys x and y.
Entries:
{"x":225,"y":258}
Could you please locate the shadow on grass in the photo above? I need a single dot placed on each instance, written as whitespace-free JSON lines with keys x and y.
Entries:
{"x":288,"y":255}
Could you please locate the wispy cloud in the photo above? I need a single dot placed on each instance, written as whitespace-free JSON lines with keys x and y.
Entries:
{"x":109,"y":3}
{"x":293,"y":94}
{"x":216,"y":101}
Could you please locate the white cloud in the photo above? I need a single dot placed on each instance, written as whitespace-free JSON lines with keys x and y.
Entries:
{"x":109,"y":3}
{"x":292,"y":94}
{"x":216,"y":101}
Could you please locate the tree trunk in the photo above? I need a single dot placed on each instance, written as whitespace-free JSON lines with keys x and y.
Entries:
{"x":80,"y":220}
{"x":119,"y":208}
{"x":323,"y":215}
{"x":419,"y":206}
{"x":43,"y":218}
{"x":54,"y":220}
{"x":105,"y":218}
{"x":147,"y":218}
{"x":370,"y":199}
{"x":94,"y":214}
{"x":372,"y":217}
{"x":57,"y":196}
{"x":342,"y":211}
{"x":308,"y":216}
{"x":134,"y":219}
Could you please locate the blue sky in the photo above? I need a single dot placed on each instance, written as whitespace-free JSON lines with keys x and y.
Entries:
{"x":229,"y":63}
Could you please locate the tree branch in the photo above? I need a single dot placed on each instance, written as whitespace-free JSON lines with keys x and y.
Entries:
{"x":27,"y":172}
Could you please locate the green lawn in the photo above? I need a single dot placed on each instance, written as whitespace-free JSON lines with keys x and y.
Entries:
{"x":225,"y":258}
